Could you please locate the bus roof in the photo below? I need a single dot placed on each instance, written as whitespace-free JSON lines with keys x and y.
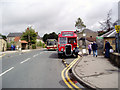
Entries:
{"x":67,"y":34}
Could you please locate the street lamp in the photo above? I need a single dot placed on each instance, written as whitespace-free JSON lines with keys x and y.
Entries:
{"x":84,"y":43}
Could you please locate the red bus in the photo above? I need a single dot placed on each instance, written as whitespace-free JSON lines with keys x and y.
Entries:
{"x":51,"y":44}
{"x":67,"y":44}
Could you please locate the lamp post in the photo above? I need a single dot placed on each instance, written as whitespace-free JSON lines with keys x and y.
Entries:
{"x":84,"y":43}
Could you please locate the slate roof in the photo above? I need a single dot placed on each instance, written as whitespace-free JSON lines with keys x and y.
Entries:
{"x":109,"y":34}
{"x":14,"y":34}
{"x":91,"y":39}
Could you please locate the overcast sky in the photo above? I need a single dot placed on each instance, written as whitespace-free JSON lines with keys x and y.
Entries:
{"x":53,"y":15}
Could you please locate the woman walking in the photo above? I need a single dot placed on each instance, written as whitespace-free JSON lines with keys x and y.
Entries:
{"x":89,"y":48}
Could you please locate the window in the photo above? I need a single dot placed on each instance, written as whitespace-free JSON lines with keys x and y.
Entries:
{"x":63,"y":40}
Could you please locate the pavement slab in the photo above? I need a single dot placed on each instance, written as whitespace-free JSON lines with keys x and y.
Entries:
{"x":97,"y":71}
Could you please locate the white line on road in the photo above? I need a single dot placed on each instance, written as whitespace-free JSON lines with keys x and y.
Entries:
{"x":6,"y":71}
{"x":35,"y":55}
{"x":24,"y":60}
{"x":41,"y":52}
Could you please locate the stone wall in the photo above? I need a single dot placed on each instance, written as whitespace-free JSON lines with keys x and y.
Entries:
{"x":115,"y":59}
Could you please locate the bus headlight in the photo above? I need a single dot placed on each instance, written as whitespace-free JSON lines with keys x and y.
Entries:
{"x":61,"y":49}
{"x":73,"y":48}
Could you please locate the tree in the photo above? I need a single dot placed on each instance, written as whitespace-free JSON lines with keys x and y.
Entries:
{"x":29,"y":35}
{"x":107,"y":24}
{"x":3,"y":36}
{"x":45,"y":37}
{"x":52,"y":35}
{"x":79,"y":24}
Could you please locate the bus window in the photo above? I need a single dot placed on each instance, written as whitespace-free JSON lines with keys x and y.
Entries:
{"x":63,"y":40}
{"x":71,"y":40}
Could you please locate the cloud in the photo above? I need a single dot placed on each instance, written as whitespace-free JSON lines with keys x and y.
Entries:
{"x":53,"y":15}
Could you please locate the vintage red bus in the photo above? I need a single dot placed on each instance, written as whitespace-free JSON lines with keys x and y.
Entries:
{"x":51,"y":44}
{"x":67,"y":44}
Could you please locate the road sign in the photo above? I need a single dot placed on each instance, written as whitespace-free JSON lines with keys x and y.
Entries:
{"x":117,"y":28}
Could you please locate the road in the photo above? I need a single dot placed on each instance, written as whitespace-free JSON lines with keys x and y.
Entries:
{"x":34,"y":69}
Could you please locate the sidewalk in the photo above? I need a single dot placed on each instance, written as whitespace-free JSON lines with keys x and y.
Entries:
{"x":96,"y":72}
{"x":22,"y":51}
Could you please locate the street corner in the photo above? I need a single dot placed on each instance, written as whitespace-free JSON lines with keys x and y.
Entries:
{"x":79,"y":77}
{"x":95,"y":72}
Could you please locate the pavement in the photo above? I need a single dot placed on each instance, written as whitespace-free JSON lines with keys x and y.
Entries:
{"x":22,"y":51}
{"x":96,"y":72}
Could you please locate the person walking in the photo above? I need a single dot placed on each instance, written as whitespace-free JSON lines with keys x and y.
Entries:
{"x":94,"y":48}
{"x":89,"y":48}
{"x":107,"y":49}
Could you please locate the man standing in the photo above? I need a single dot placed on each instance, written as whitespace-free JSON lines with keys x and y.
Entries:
{"x":107,"y":49}
{"x":94,"y":48}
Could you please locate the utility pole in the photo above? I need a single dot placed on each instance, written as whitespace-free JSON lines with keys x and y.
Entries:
{"x":28,"y":38}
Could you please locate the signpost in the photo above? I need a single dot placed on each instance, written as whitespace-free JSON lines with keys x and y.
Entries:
{"x":117,"y":28}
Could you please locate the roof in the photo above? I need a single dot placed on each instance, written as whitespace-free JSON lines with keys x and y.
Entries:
{"x":14,"y":34}
{"x":23,"y":41}
{"x":109,"y":34}
{"x":91,"y":39}
{"x":17,"y":39}
{"x":88,"y":31}
{"x":67,"y":34}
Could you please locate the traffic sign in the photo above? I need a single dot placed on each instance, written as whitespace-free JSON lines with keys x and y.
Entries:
{"x":117,"y":28}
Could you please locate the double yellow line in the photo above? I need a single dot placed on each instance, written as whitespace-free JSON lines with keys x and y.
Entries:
{"x":65,"y":73}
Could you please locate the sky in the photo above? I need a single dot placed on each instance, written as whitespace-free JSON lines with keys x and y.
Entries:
{"x":47,"y":16}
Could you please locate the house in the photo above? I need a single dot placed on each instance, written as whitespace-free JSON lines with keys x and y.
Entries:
{"x":110,"y":37}
{"x":20,"y":43}
{"x":3,"y":44}
{"x":90,"y":36}
{"x":11,"y":36}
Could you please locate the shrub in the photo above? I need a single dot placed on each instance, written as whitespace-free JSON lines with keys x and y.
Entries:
{"x":33,"y":46}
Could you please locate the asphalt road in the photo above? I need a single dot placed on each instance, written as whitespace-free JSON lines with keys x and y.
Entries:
{"x":34,"y":69}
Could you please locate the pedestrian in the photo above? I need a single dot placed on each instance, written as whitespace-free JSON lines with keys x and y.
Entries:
{"x":89,"y":48}
{"x":94,"y":48}
{"x":107,"y":49}
{"x":12,"y":47}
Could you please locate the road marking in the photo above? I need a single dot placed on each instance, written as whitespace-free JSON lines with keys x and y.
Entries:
{"x":6,"y":71}
{"x":66,"y":73}
{"x":41,"y":52}
{"x":24,"y":60}
{"x":2,"y":55}
{"x":35,"y":55}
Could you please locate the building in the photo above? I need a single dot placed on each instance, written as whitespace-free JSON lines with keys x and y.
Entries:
{"x":110,"y":37}
{"x":11,"y":36}
{"x":20,"y":43}
{"x":90,"y":36}
{"x":3,"y":44}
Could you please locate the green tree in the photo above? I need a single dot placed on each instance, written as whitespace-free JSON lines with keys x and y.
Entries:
{"x":52,"y":35}
{"x":45,"y":37}
{"x":29,"y":35}
{"x":79,"y":24}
